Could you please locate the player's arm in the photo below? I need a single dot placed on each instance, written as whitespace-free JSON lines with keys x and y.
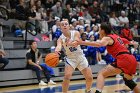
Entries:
{"x":126,"y":42}
{"x":59,"y":46}
{"x":103,"y":42}
{"x":76,"y":39}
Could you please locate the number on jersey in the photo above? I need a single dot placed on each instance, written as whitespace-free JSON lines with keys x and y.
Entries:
{"x":72,"y":49}
{"x":120,"y":41}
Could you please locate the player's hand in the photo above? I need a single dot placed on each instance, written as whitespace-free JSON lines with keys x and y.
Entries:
{"x":58,"y":52}
{"x":74,"y":43}
{"x":79,"y":42}
{"x":71,"y":43}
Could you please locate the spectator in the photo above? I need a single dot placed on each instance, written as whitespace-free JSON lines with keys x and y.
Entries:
{"x":123,"y":18}
{"x":117,"y":6}
{"x":57,"y":9}
{"x":95,"y":32}
{"x":84,"y":38}
{"x":86,"y":15}
{"x":94,"y":9}
{"x":127,"y":33}
{"x":67,"y":12}
{"x":74,"y":23}
{"x":132,"y":12}
{"x":80,"y":23}
{"x":57,"y":24}
{"x":21,"y":10}
{"x":40,"y":8}
{"x":91,"y":52}
{"x":114,"y":22}
{"x":34,"y":17}
{"x":50,"y":19}
{"x":44,"y":22}
{"x":134,"y":30}
{"x":87,"y":30}
{"x":56,"y":29}
{"x":103,"y":12}
{"x":49,"y":4}
{"x":33,"y":57}
{"x":3,"y":60}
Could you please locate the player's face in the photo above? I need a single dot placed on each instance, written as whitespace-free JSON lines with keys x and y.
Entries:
{"x":64,"y":26}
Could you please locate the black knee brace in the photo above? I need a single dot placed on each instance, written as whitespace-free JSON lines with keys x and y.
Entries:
{"x":130,"y":83}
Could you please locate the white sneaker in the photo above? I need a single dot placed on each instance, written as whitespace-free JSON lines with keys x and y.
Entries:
{"x":42,"y":83}
{"x":51,"y":83}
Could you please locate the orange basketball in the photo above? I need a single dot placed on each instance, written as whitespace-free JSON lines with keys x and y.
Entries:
{"x":52,"y":59}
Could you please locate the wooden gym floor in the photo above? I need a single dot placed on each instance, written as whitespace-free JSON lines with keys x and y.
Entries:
{"x":112,"y":85}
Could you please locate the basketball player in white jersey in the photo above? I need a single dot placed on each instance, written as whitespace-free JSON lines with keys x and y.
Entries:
{"x":74,"y":56}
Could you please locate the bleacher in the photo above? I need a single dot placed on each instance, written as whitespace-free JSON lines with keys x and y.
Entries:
{"x":15,"y":72}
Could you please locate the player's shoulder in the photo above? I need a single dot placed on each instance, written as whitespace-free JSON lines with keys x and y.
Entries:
{"x":74,"y":31}
{"x":62,"y":36}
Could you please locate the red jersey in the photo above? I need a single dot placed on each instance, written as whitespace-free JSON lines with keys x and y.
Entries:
{"x":117,"y":47}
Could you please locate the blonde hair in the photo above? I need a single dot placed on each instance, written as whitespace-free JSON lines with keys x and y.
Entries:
{"x":64,"y":19}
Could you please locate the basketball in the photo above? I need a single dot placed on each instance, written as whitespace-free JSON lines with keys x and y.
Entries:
{"x":52,"y":59}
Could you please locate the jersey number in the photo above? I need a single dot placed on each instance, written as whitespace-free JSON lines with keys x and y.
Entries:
{"x":120,"y":41}
{"x":72,"y":49}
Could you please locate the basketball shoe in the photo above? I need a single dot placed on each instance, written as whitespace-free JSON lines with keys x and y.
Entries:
{"x":51,"y":82}
{"x":42,"y":83}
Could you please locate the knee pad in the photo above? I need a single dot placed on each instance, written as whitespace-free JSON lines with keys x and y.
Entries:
{"x":130,"y":83}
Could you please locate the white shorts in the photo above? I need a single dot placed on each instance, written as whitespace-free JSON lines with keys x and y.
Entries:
{"x":79,"y":62}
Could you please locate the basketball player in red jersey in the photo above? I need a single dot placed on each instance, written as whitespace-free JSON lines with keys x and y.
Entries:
{"x":125,"y":62}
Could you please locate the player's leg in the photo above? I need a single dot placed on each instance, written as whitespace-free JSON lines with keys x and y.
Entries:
{"x":130,"y":83}
{"x":68,"y":73}
{"x":89,"y":77}
{"x":105,"y":72}
{"x":136,"y":89}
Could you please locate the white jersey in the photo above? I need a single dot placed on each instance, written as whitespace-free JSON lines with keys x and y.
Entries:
{"x":71,"y":52}
{"x":74,"y":55}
